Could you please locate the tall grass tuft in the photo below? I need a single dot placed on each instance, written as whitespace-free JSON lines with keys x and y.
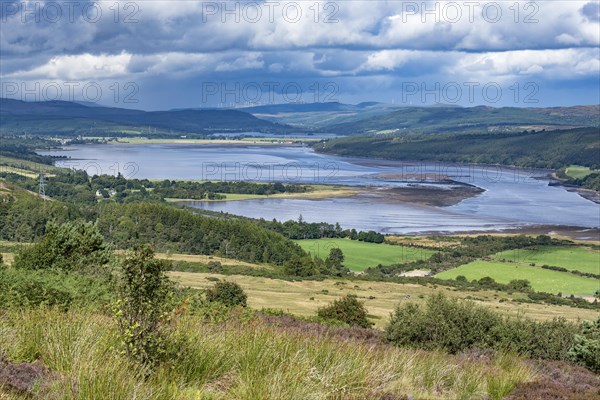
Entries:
{"x":242,"y":359}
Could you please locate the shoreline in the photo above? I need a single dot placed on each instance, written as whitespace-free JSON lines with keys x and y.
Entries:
{"x":318,"y":192}
{"x":575,"y":233}
{"x":419,"y":193}
{"x":259,"y":141}
{"x":587,"y":194}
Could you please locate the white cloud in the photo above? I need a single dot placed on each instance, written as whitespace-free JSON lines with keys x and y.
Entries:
{"x":551,"y":64}
{"x":247,"y":61}
{"x":80,"y":67}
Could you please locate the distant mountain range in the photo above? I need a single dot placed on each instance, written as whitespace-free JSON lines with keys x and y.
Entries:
{"x":53,"y":117}
{"x":319,"y":115}
{"x":60,"y":117}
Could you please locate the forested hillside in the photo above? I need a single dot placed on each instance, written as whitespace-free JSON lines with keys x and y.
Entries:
{"x":24,"y":217}
{"x":554,"y":149}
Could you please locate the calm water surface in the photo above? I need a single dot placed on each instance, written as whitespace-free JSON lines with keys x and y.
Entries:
{"x":512,"y":198}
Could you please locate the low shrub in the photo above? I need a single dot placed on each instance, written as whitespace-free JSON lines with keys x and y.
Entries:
{"x":586,"y":349}
{"x":457,"y":325}
{"x":215,"y":266}
{"x":228,"y":293}
{"x":348,"y":309}
{"x":21,"y":288}
{"x":142,"y":311}
{"x":74,"y":246}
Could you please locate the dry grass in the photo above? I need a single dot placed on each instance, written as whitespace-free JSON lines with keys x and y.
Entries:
{"x":380,"y":297}
{"x":205,"y":259}
{"x":420,"y":241}
{"x":10,"y":162}
{"x":315,"y":192}
{"x":8,"y":258}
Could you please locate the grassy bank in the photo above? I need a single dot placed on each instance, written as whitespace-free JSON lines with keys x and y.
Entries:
{"x":242,"y":359}
{"x":313,"y":192}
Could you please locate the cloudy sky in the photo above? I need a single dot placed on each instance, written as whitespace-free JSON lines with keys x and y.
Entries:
{"x":172,"y":54}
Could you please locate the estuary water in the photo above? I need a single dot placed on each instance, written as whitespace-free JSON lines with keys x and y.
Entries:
{"x":512,"y":198}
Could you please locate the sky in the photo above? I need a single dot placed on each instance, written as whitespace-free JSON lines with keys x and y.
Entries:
{"x":157,"y":55}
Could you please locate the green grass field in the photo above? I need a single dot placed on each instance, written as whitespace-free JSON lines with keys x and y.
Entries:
{"x":541,"y":279}
{"x":578,"y":172}
{"x":361,"y":255}
{"x":572,"y":258}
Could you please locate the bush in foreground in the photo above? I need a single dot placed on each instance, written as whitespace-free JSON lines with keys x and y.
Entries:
{"x":457,"y":325}
{"x":72,"y":247}
{"x":228,"y":293}
{"x":26,"y":288}
{"x":142,"y":308}
{"x":348,"y":309}
{"x":586,"y":349}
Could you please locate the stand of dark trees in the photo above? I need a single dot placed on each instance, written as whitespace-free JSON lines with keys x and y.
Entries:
{"x":25,"y":148}
{"x":79,"y":187}
{"x":166,"y":227}
{"x":301,"y":229}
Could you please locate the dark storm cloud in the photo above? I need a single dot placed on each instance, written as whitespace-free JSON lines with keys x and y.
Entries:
{"x":591,"y":11}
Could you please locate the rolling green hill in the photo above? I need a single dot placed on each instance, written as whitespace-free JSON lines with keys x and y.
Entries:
{"x":319,"y":115}
{"x":447,"y":119}
{"x":61,"y":117}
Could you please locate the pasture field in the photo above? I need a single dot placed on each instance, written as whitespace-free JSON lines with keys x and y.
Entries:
{"x":205,"y":259}
{"x":580,"y":259}
{"x":577,"y":171}
{"x":542,"y":280}
{"x":18,"y":166}
{"x":361,"y":255}
{"x":19,"y":171}
{"x":304,"y":298}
